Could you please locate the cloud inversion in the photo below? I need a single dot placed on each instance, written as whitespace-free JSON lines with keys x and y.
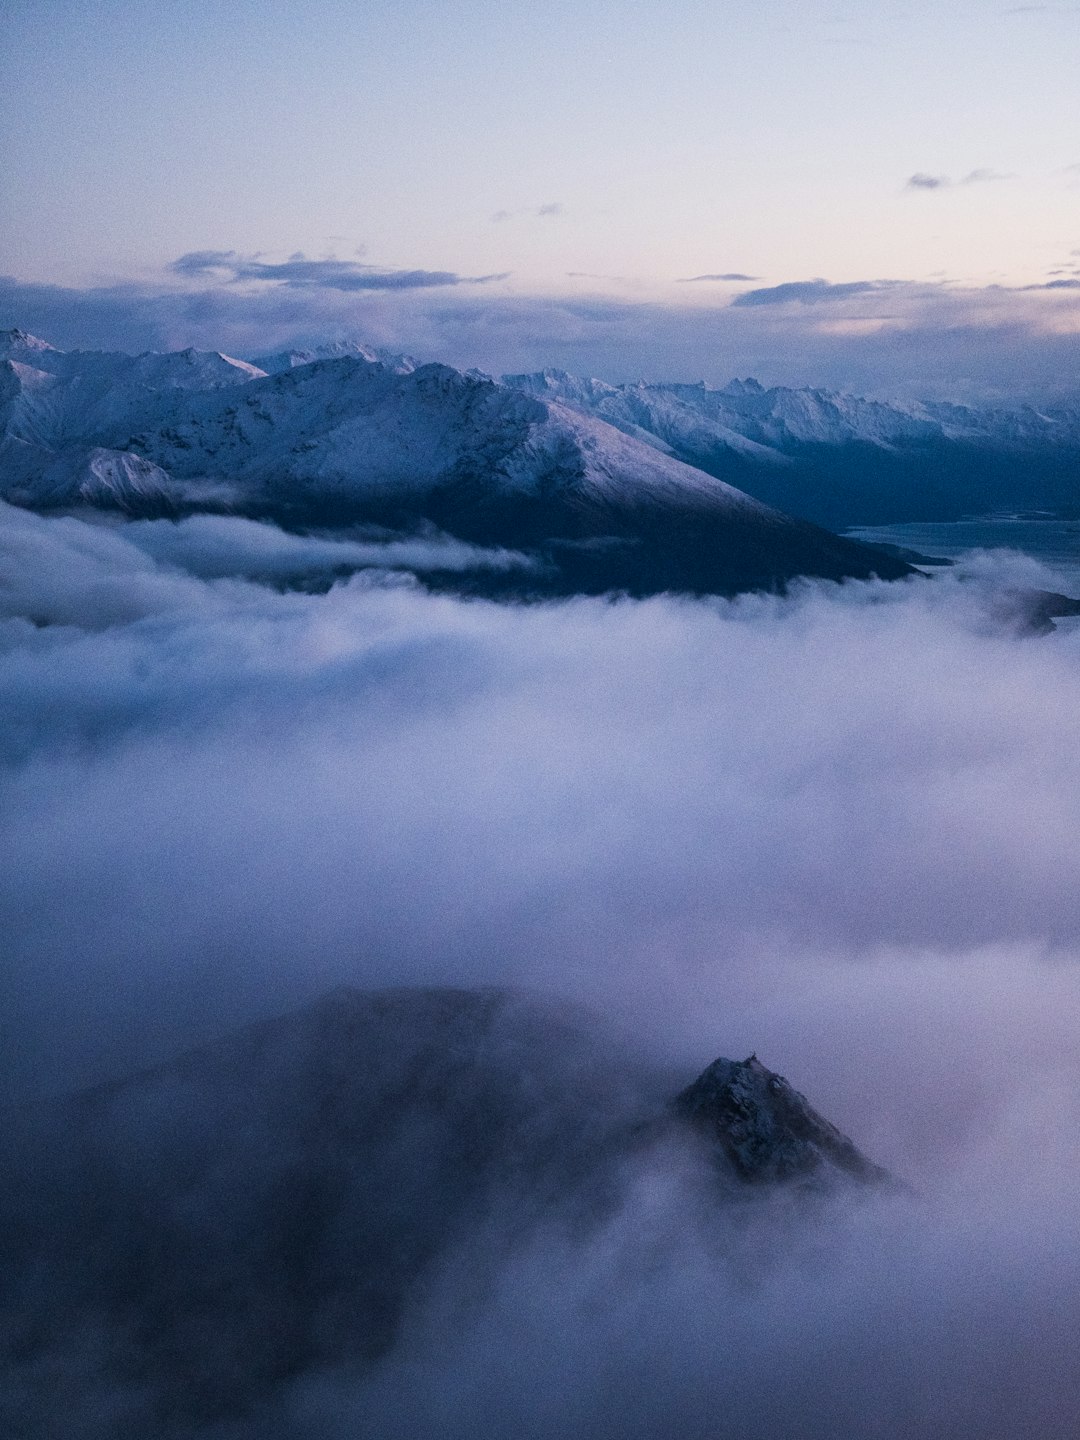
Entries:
{"x":836,"y":828}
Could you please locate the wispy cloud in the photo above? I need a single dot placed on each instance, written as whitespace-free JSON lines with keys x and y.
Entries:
{"x":552,"y":210}
{"x":921,"y":180}
{"x":811,"y":292}
{"x":328,"y":274}
{"x":985,"y":176}
{"x":730,"y":275}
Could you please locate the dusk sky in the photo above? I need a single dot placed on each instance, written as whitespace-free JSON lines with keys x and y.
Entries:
{"x":621,"y":139}
{"x":420,"y":787}
{"x":500,"y":155}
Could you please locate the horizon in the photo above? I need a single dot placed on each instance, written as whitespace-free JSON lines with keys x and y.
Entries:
{"x":868,"y":201}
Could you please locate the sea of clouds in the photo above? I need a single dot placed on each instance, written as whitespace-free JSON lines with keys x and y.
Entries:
{"x":837,"y":828}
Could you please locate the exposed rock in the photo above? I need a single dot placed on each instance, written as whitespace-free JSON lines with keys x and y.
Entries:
{"x":765,"y":1129}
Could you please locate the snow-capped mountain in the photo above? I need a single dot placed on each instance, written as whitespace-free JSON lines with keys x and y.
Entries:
{"x":275,"y":1202}
{"x":65,"y":417}
{"x":840,"y":459}
{"x":334,"y":350}
{"x":773,"y":421}
{"x":352,"y":440}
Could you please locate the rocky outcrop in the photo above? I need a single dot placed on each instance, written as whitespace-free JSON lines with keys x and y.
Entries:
{"x":763,"y":1129}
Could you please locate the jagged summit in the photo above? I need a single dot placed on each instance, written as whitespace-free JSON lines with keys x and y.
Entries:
{"x":764,"y":1128}
{"x":22,"y":340}
{"x":291,"y":359}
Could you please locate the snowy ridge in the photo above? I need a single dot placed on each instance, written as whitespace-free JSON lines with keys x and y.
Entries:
{"x":763,"y":423}
{"x":336,"y":350}
{"x":840,"y":460}
{"x":352,"y":439}
{"x":344,"y":426}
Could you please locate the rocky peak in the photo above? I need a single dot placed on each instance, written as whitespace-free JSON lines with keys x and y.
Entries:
{"x":763,"y":1128}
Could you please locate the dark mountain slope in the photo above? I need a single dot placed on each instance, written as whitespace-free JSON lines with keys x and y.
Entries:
{"x":194,"y":1237}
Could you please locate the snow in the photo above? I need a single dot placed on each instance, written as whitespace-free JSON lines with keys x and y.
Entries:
{"x":346,"y":426}
{"x":767,"y":424}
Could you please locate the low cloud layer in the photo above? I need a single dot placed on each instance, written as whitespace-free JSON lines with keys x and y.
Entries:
{"x":659,"y":790}
{"x":837,"y":829}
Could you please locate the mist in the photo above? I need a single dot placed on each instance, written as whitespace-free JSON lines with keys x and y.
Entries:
{"x":836,"y":828}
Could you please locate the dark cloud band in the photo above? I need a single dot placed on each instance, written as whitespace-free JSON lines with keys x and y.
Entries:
{"x":301,"y":273}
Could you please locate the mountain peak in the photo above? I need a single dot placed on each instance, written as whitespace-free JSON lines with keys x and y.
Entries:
{"x":22,"y":340}
{"x":765,"y":1128}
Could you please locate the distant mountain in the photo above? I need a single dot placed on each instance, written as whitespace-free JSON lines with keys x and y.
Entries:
{"x":351,"y":440}
{"x":273,"y":1202}
{"x":838,"y":459}
{"x":335,"y":350}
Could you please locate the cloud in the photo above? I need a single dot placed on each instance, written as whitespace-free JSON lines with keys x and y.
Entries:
{"x":202,"y":262}
{"x":464,"y":790}
{"x":922,"y":181}
{"x":927,"y":340}
{"x":300,"y":272}
{"x":732,"y":275}
{"x":837,"y":828}
{"x":1056,"y":285}
{"x":983,"y":177}
{"x":811,"y":292}
{"x":552,"y":210}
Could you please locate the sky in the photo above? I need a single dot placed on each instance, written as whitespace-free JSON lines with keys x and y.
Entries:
{"x":463,"y":177}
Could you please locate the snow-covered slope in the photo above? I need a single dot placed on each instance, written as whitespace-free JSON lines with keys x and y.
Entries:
{"x":334,"y":350}
{"x":769,"y":423}
{"x":840,"y":459}
{"x":341,"y":428}
{"x":351,"y":439}
{"x":51,"y":400}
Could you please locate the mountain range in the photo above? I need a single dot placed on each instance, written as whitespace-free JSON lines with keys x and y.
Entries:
{"x":198,"y":1235}
{"x":640,"y":488}
{"x":841,"y":460}
{"x":357,"y":440}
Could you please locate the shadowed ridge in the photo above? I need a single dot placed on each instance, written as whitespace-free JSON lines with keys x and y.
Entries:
{"x":765,"y":1129}
{"x":319,"y":1038}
